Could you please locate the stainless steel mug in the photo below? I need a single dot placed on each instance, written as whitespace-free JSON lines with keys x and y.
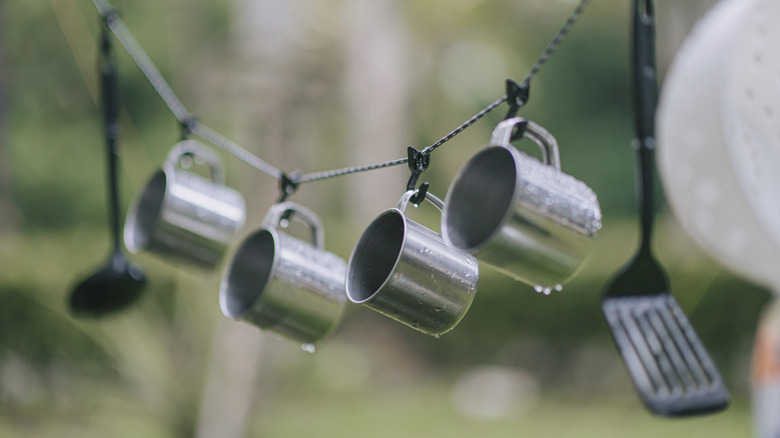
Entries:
{"x":283,"y":284}
{"x":524,"y":217}
{"x":405,"y":271}
{"x":185,"y":216}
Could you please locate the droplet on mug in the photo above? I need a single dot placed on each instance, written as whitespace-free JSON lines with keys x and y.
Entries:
{"x":309,"y":348}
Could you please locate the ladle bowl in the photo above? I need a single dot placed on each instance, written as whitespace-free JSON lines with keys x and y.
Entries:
{"x":110,"y":289}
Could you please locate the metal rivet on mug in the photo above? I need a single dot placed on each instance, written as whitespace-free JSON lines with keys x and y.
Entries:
{"x":405,"y":271}
{"x":184,"y":216}
{"x":519,"y":215}
{"x":280,"y":283}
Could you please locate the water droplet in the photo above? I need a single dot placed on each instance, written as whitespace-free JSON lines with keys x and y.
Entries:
{"x":309,"y":348}
{"x":538,"y":288}
{"x":284,"y":223}
{"x":559,"y":287}
{"x":437,"y":309}
{"x":437,"y":335}
{"x":547,"y":291}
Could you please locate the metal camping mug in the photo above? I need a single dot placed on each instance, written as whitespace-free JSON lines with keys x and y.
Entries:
{"x":405,"y":271}
{"x":283,"y":284}
{"x":184,"y":216}
{"x":525,"y":218}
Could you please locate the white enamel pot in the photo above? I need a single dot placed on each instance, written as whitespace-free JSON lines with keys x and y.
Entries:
{"x":719,"y":136}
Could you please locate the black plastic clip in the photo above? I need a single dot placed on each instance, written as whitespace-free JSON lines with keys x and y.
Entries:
{"x":517,"y":96}
{"x":108,"y":15}
{"x":288,"y":185}
{"x":418,"y":161}
{"x":519,"y":130}
{"x":187,"y":125}
{"x":419,"y":197}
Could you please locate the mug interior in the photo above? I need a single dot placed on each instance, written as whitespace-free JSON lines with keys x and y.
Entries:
{"x":147,"y":211}
{"x":480,"y":198}
{"x":375,"y":256}
{"x":248,"y":274}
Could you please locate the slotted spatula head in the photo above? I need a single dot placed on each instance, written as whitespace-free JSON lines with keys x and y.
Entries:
{"x":672,"y":371}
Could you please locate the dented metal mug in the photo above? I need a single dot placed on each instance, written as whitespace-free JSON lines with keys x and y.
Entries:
{"x":280,"y":283}
{"x":183,"y":215}
{"x":522,"y":216}
{"x":405,"y":271}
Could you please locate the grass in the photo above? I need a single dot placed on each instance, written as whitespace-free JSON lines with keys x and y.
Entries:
{"x":420,"y":410}
{"x":426,"y":411}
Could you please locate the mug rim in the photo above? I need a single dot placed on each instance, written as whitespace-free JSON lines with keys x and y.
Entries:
{"x":511,"y":206}
{"x":223,"y":288}
{"x":352,"y":257}
{"x":130,"y":233}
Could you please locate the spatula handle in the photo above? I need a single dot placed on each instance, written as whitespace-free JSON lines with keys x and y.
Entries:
{"x":645,"y":97}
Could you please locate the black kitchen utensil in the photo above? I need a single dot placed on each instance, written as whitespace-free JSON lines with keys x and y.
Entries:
{"x":669,"y":365}
{"x":119,"y":283}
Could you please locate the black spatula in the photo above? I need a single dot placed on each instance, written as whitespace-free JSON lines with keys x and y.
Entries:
{"x":670,"y":367}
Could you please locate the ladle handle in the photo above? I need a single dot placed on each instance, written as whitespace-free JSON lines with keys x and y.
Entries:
{"x":645,"y":99}
{"x":110,"y":100}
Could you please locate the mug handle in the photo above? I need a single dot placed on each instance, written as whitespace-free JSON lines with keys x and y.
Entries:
{"x":283,"y":210}
{"x":198,"y":150}
{"x":406,"y":197}
{"x":502,"y":136}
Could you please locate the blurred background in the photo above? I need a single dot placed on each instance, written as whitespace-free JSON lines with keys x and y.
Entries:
{"x":312,"y":85}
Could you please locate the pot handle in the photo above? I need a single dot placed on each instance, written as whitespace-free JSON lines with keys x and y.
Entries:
{"x":406,"y":197}
{"x":284,"y":210}
{"x":198,"y":152}
{"x":503,"y":133}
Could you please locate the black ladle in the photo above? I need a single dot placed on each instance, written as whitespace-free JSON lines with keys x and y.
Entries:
{"x":119,"y":283}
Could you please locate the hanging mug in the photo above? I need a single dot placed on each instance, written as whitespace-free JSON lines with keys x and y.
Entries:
{"x":405,"y":271}
{"x":522,"y":216}
{"x":185,"y":216}
{"x":283,"y":284}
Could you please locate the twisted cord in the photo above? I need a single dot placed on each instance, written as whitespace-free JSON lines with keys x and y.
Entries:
{"x":166,"y":93}
{"x":192,"y":125}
